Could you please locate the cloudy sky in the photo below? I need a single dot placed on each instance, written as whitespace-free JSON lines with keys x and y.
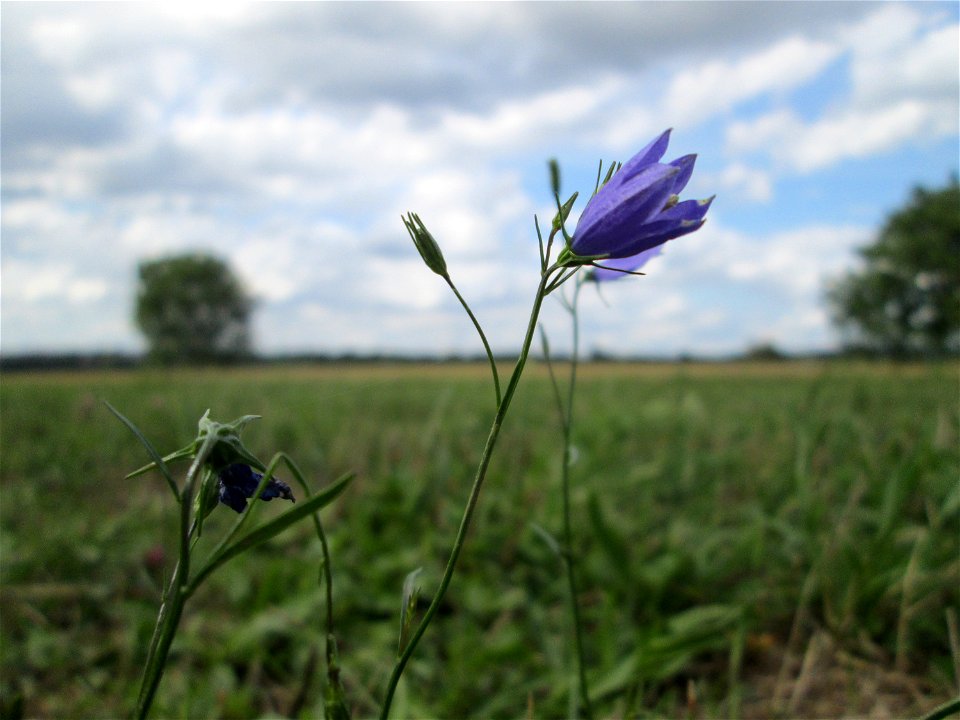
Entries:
{"x":289,"y":138}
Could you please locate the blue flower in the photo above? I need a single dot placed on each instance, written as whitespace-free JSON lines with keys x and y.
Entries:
{"x":239,"y":481}
{"x":637,"y":210}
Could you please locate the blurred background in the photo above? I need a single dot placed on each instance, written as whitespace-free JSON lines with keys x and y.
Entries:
{"x":193,"y":183}
{"x":287,"y":139}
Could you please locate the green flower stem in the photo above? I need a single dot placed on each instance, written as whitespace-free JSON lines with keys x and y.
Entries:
{"x":471,"y":505}
{"x":483,"y":338}
{"x":568,"y":554}
{"x":171,"y":609}
{"x":167,"y":622}
{"x":333,"y":670}
{"x":943,"y":711}
{"x":565,"y":409}
{"x":327,"y":587}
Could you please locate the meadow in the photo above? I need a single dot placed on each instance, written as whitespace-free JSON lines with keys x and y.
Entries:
{"x":753,"y":540}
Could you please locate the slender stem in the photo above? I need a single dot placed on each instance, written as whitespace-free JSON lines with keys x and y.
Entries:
{"x":565,"y":411}
{"x":483,"y":338}
{"x":471,"y":505}
{"x":333,"y":667}
{"x":567,"y":525}
{"x":326,"y":565}
{"x":327,"y":580}
{"x":171,"y":609}
{"x":167,"y":622}
{"x":943,"y":711}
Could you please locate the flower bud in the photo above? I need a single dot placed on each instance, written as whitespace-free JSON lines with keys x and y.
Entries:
{"x":564,"y":213}
{"x":427,"y":247}
{"x":228,"y":448}
{"x":554,"y":176}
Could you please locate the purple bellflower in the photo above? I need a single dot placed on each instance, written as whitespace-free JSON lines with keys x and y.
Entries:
{"x":237,"y":482}
{"x":637,"y":211}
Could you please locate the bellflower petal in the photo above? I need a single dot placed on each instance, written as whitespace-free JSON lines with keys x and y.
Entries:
{"x":685,"y":164}
{"x":236,"y":483}
{"x":648,"y":156}
{"x":622,"y":208}
{"x":638,"y":209}
{"x":681,"y":219}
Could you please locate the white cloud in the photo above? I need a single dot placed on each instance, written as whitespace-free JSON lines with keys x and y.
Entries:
{"x":905,"y":77}
{"x":715,"y":87}
{"x":239,"y":133}
{"x":861,"y":134}
{"x":753,"y":184}
{"x":513,"y":123}
{"x":277,"y":270}
{"x":796,"y":260}
{"x":812,"y":146}
{"x":667,"y":308}
{"x":898,"y":52}
{"x":34,"y":217}
{"x":793,"y":261}
{"x":763,"y":133}
{"x":198,"y":16}
{"x":468,"y":212}
{"x":152,"y":229}
{"x":418,"y":290}
{"x":61,"y":39}
{"x":26,"y":282}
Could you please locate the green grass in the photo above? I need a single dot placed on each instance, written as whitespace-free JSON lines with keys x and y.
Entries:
{"x":754,"y":541}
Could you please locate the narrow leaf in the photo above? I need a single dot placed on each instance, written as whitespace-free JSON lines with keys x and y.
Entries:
{"x":543,"y":256}
{"x":151,"y":451}
{"x":181,"y":454}
{"x":550,"y":541}
{"x":273,"y":527}
{"x":411,"y":595}
{"x":943,"y":711}
{"x":614,"y":545}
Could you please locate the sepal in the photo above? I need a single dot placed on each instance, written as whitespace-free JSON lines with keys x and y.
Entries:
{"x":228,"y":448}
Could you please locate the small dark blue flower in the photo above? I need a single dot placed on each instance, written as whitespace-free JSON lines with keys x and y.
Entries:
{"x":238,"y":481}
{"x":639,"y":208}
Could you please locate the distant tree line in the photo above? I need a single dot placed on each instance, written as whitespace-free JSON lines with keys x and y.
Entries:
{"x":111,"y":361}
{"x":905,"y":300}
{"x":193,"y":310}
{"x":70,"y":361}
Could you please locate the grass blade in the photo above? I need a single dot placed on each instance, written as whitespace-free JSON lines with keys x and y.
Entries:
{"x":151,"y":451}
{"x":272,"y":528}
{"x":411,"y":595}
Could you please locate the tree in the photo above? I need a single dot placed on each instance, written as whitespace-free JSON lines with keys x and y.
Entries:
{"x":192,"y":309}
{"x":905,"y":301}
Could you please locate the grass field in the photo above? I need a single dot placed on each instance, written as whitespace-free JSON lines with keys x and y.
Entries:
{"x":757,"y":541}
